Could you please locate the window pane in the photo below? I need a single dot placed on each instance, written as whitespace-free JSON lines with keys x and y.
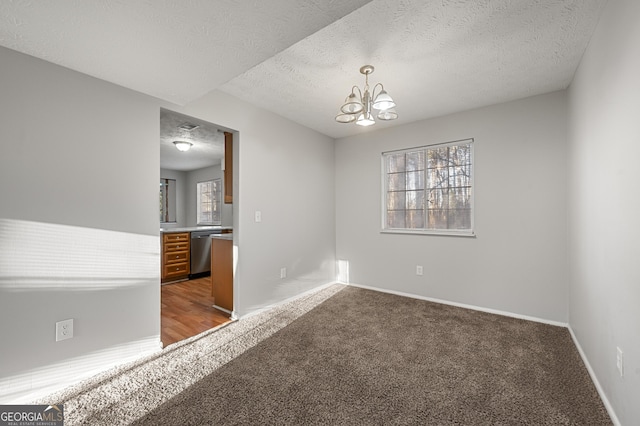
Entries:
{"x":415,"y":219}
{"x":415,"y":160}
{"x":395,"y":219}
{"x":459,"y":218}
{"x":438,"y":158}
{"x":208,"y":202}
{"x":457,"y":177}
{"x":396,"y":182}
{"x":415,"y":200}
{"x":415,"y":180}
{"x":438,"y":178}
{"x":437,"y":219}
{"x":438,"y":198}
{"x":395,"y":163}
{"x":396,"y":200}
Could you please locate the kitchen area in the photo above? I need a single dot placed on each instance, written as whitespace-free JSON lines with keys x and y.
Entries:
{"x":196,"y":226}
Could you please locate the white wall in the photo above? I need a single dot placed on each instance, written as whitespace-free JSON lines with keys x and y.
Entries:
{"x":203,"y":175}
{"x":517,"y":262}
{"x":285,"y":171}
{"x":603,"y":210}
{"x":181,"y":197}
{"x":79,"y":174}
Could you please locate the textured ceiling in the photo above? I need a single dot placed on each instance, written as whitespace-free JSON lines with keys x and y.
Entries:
{"x":433,"y":57}
{"x":208,"y":142}
{"x":300,"y":58}
{"x":170,"y":49}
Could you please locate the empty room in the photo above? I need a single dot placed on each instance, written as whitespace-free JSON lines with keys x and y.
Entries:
{"x":369,"y":212}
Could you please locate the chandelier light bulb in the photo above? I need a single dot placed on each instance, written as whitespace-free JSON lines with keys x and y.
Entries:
{"x":383,"y":101}
{"x":365,"y":119}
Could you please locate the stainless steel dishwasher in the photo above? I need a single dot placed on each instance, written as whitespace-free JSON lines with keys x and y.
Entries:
{"x":201,"y":252}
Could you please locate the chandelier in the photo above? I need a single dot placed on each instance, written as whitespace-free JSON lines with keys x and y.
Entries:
{"x":358,"y":106}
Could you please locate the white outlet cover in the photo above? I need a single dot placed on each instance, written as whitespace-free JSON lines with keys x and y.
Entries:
{"x":64,"y":330}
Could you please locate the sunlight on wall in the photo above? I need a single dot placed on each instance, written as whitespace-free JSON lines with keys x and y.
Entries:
{"x":107,"y":281}
{"x":42,"y":255}
{"x":343,"y":271}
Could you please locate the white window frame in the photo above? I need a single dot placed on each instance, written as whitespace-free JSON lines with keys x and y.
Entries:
{"x":217,"y":201}
{"x":427,"y":231}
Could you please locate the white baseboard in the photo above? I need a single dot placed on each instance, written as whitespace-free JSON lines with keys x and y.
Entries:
{"x":592,"y":374}
{"x":41,"y":382}
{"x":464,"y":305}
{"x":289,"y":299}
{"x":594,"y":379}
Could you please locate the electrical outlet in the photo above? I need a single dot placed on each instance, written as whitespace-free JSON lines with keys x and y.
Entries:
{"x":283,"y":272}
{"x":619,"y":362}
{"x":419,"y":270}
{"x":64,"y":330}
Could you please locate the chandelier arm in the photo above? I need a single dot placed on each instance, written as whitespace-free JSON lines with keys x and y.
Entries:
{"x":373,"y":92}
{"x":359,"y":91}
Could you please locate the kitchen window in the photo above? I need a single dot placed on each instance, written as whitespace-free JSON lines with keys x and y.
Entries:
{"x":429,"y":189}
{"x":209,"y":196}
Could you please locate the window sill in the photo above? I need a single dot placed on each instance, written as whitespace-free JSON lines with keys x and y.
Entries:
{"x":444,"y":232}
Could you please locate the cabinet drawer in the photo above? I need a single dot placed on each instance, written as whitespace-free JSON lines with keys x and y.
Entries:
{"x":174,"y":269}
{"x":175,"y":237}
{"x":169,"y":247}
{"x":176,"y":257}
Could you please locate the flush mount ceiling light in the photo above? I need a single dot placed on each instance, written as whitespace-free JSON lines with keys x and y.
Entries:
{"x":185,"y":129}
{"x":183,"y":145}
{"x":358,"y":106}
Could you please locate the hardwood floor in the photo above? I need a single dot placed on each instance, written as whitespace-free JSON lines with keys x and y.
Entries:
{"x":186,"y":310}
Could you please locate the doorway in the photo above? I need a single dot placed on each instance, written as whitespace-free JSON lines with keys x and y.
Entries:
{"x":194,"y":158}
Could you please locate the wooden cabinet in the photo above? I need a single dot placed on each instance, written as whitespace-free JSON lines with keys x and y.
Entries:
{"x":222,"y":272}
{"x":228,"y":168}
{"x":175,"y":256}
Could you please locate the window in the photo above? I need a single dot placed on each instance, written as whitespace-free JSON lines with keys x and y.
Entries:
{"x":429,"y":189}
{"x":167,"y":200}
{"x":209,"y":195}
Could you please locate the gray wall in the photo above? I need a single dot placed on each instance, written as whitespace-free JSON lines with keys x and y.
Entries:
{"x":79,"y":175}
{"x":202,"y":175}
{"x":186,"y":196}
{"x":517,"y":262}
{"x":79,"y":225}
{"x":604,"y":186}
{"x":285,"y":171}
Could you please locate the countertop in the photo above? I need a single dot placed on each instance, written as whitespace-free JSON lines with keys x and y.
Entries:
{"x":228,"y":236}
{"x":193,"y":228}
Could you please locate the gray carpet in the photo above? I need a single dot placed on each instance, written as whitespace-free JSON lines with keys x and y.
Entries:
{"x":123,"y":394}
{"x":365,"y":357}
